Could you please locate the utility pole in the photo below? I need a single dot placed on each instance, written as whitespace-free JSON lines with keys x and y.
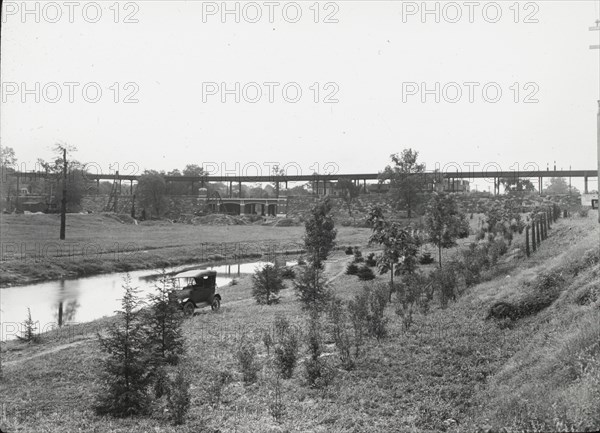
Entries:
{"x":63,"y":207}
{"x":597,"y":47}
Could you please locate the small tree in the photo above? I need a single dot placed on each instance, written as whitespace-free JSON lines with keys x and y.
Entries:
{"x":443,"y":221}
{"x":400,"y":248}
{"x":29,"y":330}
{"x":164,"y":322}
{"x":406,"y":178}
{"x":349,"y":192}
{"x":246,"y":357}
{"x":320,"y":235}
{"x":311,"y":289}
{"x":266,"y":284}
{"x":125,"y":370}
{"x":178,"y":396}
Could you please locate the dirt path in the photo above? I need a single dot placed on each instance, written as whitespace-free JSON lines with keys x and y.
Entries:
{"x":45,"y":352}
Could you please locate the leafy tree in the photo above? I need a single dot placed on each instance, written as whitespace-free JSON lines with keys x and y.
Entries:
{"x":349,"y":192}
{"x":443,"y":221}
{"x":320,"y":233}
{"x":559,"y":185}
{"x":7,"y":157}
{"x":125,"y":370}
{"x":193,"y":170}
{"x":400,"y":248}
{"x":517,"y":185}
{"x":266,"y":284}
{"x":406,"y":178}
{"x":150,"y":192}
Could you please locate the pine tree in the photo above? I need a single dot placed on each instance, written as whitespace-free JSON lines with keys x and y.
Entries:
{"x":164,"y":322}
{"x":266,"y":284}
{"x":125,"y":370}
{"x":311,"y":289}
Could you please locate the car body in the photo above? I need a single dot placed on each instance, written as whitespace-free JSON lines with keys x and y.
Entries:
{"x":197,"y":289}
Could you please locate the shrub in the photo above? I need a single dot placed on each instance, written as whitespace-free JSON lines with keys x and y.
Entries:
{"x":286,"y":347}
{"x":178,"y":396}
{"x":277,"y":405}
{"x":583,"y":212}
{"x":358,"y":258}
{"x":410,"y":296}
{"x":365,"y":273}
{"x":217,"y":382}
{"x":311,"y":289}
{"x":376,"y":320}
{"x":266,"y":284}
{"x":341,"y":337}
{"x":349,"y":251}
{"x":351,"y":269}
{"x":301,"y":261}
{"x":358,"y":310}
{"x":246,"y":357}
{"x":314,"y":367}
{"x":267,"y":340}
{"x":426,"y":259}
{"x":288,"y":273}
{"x":371,"y":261}
{"x":445,"y":281}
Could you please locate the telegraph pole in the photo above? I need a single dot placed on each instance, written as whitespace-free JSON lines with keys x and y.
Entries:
{"x":63,"y":207}
{"x":597,"y":47}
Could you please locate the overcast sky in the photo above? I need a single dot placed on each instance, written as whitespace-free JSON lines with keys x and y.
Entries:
{"x":371,"y":60}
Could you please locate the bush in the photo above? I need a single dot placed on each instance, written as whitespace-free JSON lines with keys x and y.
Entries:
{"x":426,"y":259}
{"x":367,"y":312}
{"x":349,"y":251}
{"x":377,"y":302}
{"x":583,"y":212}
{"x":266,"y":285}
{"x":318,"y":373}
{"x":246,"y":357}
{"x":286,"y":347}
{"x":178,"y":396}
{"x":217,"y":383}
{"x":301,"y":261}
{"x":341,"y":337}
{"x":365,"y":273}
{"x":351,"y":269}
{"x":288,"y":273}
{"x":358,"y":258}
{"x":445,"y":281}
{"x":371,"y":261}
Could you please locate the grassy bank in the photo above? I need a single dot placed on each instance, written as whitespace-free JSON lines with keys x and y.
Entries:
{"x":100,"y":243}
{"x":452,"y":371}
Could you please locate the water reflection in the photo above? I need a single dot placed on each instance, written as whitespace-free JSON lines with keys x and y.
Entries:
{"x":63,"y":302}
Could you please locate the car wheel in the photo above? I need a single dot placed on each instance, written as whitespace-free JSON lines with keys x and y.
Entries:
{"x":216,"y":304}
{"x":188,"y":308}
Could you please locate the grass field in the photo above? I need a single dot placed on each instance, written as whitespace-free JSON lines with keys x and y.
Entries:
{"x":100,"y":243}
{"x":452,"y":371}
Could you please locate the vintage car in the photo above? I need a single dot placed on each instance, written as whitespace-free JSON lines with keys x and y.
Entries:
{"x":197,"y":289}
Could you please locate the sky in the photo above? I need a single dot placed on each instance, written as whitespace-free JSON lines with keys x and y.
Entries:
{"x":516,"y":84}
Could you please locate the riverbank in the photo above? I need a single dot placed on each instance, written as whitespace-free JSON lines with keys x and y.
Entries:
{"x":100,"y":243}
{"x":452,"y":371}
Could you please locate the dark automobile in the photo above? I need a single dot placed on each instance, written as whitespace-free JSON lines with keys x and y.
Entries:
{"x":197,"y":290}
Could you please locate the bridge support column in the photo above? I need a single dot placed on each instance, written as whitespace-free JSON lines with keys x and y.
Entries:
{"x":585,"y":184}
{"x":540,"y":187}
{"x":240,"y":188}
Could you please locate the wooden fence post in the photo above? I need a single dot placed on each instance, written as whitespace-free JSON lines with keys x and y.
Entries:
{"x":537,"y":229}
{"x":527,"y":241}
{"x":533,"y":235}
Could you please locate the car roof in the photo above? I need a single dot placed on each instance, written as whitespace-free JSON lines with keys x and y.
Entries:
{"x":195,"y":273}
